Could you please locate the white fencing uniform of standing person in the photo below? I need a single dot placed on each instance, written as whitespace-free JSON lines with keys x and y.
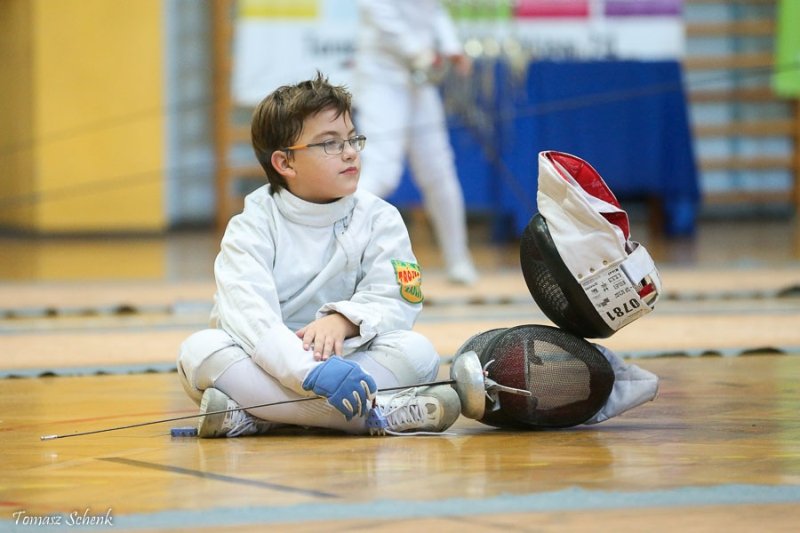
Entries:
{"x":400,"y":43}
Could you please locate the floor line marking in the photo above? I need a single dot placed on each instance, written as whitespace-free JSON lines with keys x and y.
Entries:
{"x":217,"y":477}
{"x":574,"y":499}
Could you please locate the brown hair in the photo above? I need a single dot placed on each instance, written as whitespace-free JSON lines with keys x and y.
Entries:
{"x":278,"y":119}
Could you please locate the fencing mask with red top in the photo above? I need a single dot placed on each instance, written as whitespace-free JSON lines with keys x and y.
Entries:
{"x":577,"y":258}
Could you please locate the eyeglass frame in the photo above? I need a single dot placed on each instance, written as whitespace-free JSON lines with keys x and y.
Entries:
{"x":360,"y":140}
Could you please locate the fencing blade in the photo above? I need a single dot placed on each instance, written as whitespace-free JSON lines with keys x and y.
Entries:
{"x":223,"y":411}
{"x":468,"y":378}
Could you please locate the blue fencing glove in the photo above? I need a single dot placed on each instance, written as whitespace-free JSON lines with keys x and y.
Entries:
{"x":345,"y":384}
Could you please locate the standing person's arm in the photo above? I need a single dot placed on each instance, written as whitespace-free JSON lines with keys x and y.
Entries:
{"x":449,"y":43}
{"x":397,"y":35}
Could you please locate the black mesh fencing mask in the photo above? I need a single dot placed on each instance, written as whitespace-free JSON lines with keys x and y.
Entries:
{"x":579,"y":263}
{"x":553,"y":287}
{"x":568,"y":378}
{"x":477,"y":343}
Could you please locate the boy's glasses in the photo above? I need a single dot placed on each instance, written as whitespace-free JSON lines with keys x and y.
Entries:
{"x":334,"y":147}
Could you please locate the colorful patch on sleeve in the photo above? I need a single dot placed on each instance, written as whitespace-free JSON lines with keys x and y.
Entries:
{"x":409,"y":276}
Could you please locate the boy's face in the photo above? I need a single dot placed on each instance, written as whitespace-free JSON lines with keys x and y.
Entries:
{"x":314,"y":175}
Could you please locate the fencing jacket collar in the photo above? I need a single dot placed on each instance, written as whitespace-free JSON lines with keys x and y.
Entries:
{"x":311,"y":214}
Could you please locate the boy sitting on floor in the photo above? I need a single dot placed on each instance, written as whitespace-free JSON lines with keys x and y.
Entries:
{"x":317,"y":290}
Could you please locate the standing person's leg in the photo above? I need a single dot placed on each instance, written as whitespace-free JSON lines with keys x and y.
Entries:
{"x":433,"y":165}
{"x":382,"y":114}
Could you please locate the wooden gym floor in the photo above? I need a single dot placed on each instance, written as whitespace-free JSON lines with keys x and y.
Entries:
{"x":89,"y":329}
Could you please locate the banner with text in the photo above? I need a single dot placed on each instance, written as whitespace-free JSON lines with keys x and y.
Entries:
{"x":285,"y":41}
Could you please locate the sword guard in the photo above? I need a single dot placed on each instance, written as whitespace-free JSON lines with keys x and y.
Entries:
{"x":469,"y":384}
{"x":493,"y":388}
{"x":474,"y":387}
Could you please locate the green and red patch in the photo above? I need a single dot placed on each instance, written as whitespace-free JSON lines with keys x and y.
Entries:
{"x":409,"y":276}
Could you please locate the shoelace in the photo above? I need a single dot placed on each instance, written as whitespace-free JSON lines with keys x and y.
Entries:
{"x":241,"y":423}
{"x":405,"y":413}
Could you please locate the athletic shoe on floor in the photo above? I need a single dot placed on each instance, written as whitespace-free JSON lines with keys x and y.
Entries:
{"x":462,"y":273}
{"x":420,"y":409}
{"x":229,"y":424}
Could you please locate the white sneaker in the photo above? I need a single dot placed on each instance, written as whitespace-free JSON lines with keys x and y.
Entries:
{"x":462,"y":273}
{"x":420,"y":409}
{"x":228,"y":424}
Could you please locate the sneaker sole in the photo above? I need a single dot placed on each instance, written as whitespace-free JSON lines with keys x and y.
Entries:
{"x":208,"y":427}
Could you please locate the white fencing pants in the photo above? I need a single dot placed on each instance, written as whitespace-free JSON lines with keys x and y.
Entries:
{"x":211,"y":358}
{"x":401,"y":120}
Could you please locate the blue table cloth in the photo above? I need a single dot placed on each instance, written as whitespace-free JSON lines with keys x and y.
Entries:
{"x":628,"y":119}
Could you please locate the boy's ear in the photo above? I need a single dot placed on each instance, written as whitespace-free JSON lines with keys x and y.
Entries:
{"x":281,"y":163}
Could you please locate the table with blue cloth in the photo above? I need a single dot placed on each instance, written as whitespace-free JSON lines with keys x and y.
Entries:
{"x":628,"y":119}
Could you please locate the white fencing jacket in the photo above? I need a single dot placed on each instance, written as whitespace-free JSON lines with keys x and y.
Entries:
{"x":285,"y":262}
{"x":395,"y":35}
